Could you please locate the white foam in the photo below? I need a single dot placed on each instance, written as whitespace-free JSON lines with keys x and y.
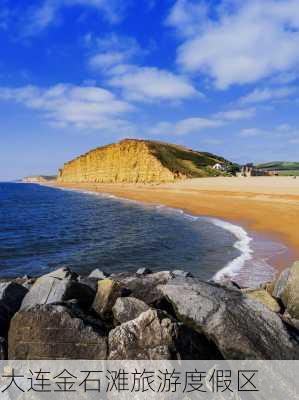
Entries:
{"x":242,"y":244}
{"x":243,"y":240}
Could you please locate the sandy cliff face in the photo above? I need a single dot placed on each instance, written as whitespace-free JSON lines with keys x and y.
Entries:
{"x":127,"y":161}
{"x":139,"y":161}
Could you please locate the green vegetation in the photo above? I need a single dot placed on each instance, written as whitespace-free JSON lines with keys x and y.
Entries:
{"x":185,"y":161}
{"x":289,"y":173}
{"x":284,"y":168}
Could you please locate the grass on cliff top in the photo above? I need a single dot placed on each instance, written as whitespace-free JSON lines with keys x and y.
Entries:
{"x":185,"y":161}
{"x":284,"y":168}
{"x":279,"y":165}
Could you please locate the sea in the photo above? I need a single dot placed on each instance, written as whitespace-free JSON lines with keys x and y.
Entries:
{"x":44,"y":228}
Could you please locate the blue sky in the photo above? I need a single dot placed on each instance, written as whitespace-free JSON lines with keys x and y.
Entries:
{"x":220,"y":76}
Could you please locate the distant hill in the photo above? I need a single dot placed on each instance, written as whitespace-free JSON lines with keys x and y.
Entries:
{"x":282,"y":167}
{"x":144,"y":161}
{"x":38,"y":178}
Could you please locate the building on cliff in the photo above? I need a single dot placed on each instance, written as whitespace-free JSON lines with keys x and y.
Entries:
{"x":249,"y":170}
{"x":139,"y":161}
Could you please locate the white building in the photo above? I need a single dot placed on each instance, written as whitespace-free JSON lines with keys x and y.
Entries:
{"x":219,"y":167}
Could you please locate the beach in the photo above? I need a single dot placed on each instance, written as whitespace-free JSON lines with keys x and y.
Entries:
{"x":267,"y":205}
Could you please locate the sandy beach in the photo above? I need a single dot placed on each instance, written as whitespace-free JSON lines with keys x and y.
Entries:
{"x":268,"y":205}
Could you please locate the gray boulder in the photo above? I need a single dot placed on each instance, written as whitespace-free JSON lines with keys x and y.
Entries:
{"x":98,"y":274}
{"x":91,"y":282}
{"x":11,"y":296}
{"x":241,"y":328}
{"x":146,"y":338}
{"x":291,"y":321}
{"x":127,"y":308}
{"x":3,"y":349}
{"x":182,"y":274}
{"x":107,"y":293}
{"x":154,"y":335}
{"x":280,"y":284}
{"x":49,"y":289}
{"x":62,"y":273}
{"x":290,"y":295}
{"x":55,"y":332}
{"x":143,"y":271}
{"x":144,"y":287}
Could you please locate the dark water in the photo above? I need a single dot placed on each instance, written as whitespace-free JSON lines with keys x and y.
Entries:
{"x":43,"y":228}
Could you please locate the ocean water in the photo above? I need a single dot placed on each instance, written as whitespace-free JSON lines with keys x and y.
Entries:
{"x":43,"y":228}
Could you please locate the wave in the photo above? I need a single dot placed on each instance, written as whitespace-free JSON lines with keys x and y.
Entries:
{"x":242,"y":244}
{"x":243,"y":240}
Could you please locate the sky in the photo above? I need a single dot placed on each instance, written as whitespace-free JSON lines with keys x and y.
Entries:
{"x":214,"y":75}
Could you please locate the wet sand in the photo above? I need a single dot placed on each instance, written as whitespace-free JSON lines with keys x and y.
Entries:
{"x":268,"y":205}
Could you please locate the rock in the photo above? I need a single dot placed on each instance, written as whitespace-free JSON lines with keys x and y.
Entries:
{"x":144,"y":287}
{"x":28,"y":283}
{"x":127,"y":308}
{"x":153,"y":335}
{"x":143,"y":271}
{"x":62,"y":273}
{"x":280,"y":284}
{"x":145,"y":338}
{"x":107,"y":293}
{"x":269,"y":287}
{"x":228,"y":284}
{"x":91,"y":282}
{"x":3,"y":349}
{"x":291,"y":321}
{"x":11,"y":296}
{"x":54,"y":332}
{"x":290,"y":295}
{"x":182,"y":274}
{"x":191,"y":345}
{"x":240,"y":327}
{"x":263,"y":297}
{"x":97,"y":273}
{"x":48,"y":290}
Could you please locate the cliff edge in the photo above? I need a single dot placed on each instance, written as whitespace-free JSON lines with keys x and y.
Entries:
{"x":39,"y":179}
{"x":139,"y":161}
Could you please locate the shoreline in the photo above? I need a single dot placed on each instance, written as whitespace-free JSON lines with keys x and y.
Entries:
{"x":245,"y":242}
{"x":271,"y":213}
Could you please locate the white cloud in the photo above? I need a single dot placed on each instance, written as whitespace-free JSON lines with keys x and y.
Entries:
{"x":284,"y":128}
{"x":268,"y":94}
{"x":251,"y":132}
{"x":112,"y":50}
{"x":197,"y":124}
{"x":149,"y":83}
{"x":185,"y":126}
{"x":40,"y":18}
{"x":82,"y":107}
{"x":283,"y":133}
{"x":237,"y":114}
{"x":105,"y":60}
{"x":187,"y":16}
{"x":250,"y":41}
{"x":213,"y":142}
{"x":294,"y":141}
{"x":113,"y":57}
{"x":284,"y":78}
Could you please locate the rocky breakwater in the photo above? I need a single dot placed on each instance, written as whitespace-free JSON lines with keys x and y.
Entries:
{"x":145,"y":315}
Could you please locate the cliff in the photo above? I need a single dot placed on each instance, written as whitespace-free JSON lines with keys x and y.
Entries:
{"x":38,"y":179}
{"x":139,"y":161}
